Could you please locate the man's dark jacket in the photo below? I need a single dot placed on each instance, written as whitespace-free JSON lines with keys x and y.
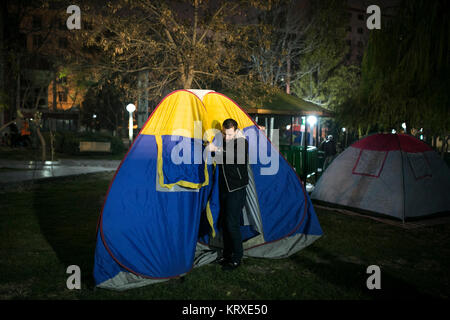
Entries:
{"x":329,"y":147}
{"x":234,"y":176}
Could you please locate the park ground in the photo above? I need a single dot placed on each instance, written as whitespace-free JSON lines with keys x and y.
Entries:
{"x":47,"y":226}
{"x":28,"y":154}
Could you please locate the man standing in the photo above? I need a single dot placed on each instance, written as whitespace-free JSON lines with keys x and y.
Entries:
{"x":329,"y":147}
{"x":233,"y":180}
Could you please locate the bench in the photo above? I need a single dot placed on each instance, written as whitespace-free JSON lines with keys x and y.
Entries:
{"x":94,"y":146}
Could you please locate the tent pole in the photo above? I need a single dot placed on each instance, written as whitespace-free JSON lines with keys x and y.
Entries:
{"x":403,"y":177}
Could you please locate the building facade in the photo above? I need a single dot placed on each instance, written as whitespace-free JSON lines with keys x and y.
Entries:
{"x":43,"y":81}
{"x":357,"y":31}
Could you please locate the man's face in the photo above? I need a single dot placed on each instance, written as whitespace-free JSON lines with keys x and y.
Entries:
{"x":229,"y":133}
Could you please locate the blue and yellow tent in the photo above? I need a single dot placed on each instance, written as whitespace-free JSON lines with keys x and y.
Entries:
{"x":160,"y":217}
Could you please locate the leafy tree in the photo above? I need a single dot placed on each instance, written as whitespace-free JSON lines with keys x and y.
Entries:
{"x":405,"y":72}
{"x":281,"y":39}
{"x":25,"y":91}
{"x":174,"y":44}
{"x":323,"y":76}
{"x":103,"y":107}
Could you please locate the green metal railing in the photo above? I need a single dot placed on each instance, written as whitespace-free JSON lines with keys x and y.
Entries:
{"x":295,"y":156}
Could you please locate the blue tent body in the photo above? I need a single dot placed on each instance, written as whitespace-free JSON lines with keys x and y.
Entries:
{"x":160,"y":219}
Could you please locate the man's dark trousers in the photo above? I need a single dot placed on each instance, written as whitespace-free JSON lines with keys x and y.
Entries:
{"x":232,"y":204}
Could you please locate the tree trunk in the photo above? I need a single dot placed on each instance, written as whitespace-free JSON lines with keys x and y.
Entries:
{"x":5,"y":125}
{"x":190,"y":77}
{"x":288,"y":77}
{"x":42,"y":140}
{"x":116,"y":120}
{"x":142,"y":107}
{"x":52,"y":144}
{"x":183,"y":76}
{"x":54,"y":91}
{"x":38,"y":120}
{"x":288,"y":73}
{"x":17,"y":89}
{"x":444,"y":146}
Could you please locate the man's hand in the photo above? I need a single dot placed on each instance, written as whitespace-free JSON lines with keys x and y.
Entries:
{"x":239,"y":134}
{"x":212,"y":147}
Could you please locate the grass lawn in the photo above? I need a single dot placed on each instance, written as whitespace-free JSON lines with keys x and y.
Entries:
{"x":48,"y":227}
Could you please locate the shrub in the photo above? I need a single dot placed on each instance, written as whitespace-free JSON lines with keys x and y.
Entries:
{"x":68,"y":142}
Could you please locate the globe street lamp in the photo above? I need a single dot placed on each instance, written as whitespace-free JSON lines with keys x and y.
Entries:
{"x":344,"y":130}
{"x":312,"y":120}
{"x":130,"y":108}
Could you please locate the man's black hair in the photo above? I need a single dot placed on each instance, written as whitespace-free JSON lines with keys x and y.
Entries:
{"x":229,"y":123}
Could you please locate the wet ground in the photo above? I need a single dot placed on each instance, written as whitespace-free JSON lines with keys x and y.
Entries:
{"x":16,"y":171}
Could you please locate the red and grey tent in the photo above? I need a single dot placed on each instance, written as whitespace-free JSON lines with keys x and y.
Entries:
{"x":391,"y":174}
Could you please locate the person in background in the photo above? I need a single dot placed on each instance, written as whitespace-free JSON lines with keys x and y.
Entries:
{"x":329,"y":148}
{"x":14,"y":135}
{"x":25,"y":134}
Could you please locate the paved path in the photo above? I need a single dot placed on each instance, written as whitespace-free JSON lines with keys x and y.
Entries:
{"x":22,"y":171}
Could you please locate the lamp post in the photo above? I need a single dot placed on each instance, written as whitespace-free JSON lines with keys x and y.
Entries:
{"x":305,"y":150}
{"x":311,"y":120}
{"x":130,"y":108}
{"x":345,"y":136}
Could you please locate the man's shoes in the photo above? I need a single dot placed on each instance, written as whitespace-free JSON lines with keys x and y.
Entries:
{"x":230,"y":266}
{"x":223,"y":261}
